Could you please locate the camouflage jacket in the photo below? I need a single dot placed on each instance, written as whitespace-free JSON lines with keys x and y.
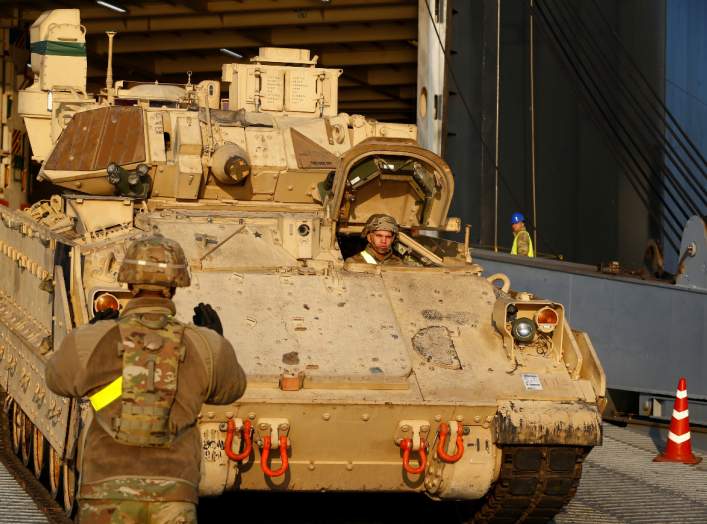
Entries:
{"x":88,"y":359}
{"x":522,"y":244}
{"x":391,"y":259}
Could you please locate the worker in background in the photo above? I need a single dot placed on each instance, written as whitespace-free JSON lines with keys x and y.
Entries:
{"x":380,"y":231}
{"x":146,"y":376}
{"x":522,"y":244}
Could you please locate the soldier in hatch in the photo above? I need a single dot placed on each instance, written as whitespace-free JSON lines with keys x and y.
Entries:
{"x":380,"y":231}
{"x":146,"y":376}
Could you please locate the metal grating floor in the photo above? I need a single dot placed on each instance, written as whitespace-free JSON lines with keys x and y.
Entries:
{"x":17,"y":507}
{"x":621,"y":483}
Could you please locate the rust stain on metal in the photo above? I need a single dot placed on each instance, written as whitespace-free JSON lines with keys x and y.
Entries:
{"x":97,"y":137}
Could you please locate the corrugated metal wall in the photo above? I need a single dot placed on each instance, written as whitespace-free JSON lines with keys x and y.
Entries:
{"x":686,"y":69}
{"x":587,"y":211}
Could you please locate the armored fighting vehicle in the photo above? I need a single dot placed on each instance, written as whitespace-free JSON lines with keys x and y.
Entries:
{"x":425,"y":378}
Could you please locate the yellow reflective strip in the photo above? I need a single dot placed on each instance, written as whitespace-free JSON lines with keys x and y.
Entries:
{"x":514,"y":249}
{"x":107,"y":395}
{"x":368,"y":257}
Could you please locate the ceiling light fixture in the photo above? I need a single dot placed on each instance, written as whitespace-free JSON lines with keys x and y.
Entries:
{"x":111,"y":6}
{"x":230,"y":53}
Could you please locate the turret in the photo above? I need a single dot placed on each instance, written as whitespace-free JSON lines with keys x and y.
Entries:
{"x":58,"y":60}
{"x":278,"y":138}
{"x":284,"y":81}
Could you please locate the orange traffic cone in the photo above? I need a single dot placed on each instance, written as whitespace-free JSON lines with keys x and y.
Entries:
{"x":679,"y":448}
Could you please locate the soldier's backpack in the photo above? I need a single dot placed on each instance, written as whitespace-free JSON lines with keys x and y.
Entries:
{"x":151,"y":348}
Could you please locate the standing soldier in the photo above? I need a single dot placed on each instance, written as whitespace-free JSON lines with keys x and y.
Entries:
{"x":380,"y":231}
{"x":146,"y":376}
{"x":522,"y":245}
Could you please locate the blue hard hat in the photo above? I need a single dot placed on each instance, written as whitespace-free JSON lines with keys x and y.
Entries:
{"x":517,"y":217}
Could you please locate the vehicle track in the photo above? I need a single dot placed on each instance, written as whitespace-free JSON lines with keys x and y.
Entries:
{"x":25,"y":478}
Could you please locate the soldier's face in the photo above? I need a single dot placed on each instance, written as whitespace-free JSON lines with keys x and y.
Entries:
{"x":380,"y":241}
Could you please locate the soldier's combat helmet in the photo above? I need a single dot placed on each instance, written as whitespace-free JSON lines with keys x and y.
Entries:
{"x":155,"y":261}
{"x":380,"y":222}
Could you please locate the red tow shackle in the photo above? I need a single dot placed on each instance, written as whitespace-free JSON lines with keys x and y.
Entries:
{"x":406,"y":444}
{"x":443,"y":433}
{"x":246,"y":432}
{"x":265,"y":454}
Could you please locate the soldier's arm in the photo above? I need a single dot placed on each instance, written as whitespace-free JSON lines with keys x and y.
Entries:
{"x":523,"y":243}
{"x":228,"y":380}
{"x":62,"y":366}
{"x":66,"y":368}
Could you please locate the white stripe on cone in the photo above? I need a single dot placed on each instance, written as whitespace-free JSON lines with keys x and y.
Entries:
{"x":678,"y":439}
{"x":681,"y":394}
{"x":679,"y":415}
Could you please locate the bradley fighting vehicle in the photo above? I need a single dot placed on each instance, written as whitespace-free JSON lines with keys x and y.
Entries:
{"x":426,"y":378}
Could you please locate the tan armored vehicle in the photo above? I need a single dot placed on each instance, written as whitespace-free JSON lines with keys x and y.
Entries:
{"x":425,"y":378}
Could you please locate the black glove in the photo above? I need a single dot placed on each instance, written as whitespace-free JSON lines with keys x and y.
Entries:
{"x":106,"y":314}
{"x":205,"y":316}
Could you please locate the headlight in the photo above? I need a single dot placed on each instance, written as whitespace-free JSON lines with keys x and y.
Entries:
{"x":523,"y":330}
{"x":105,"y":301}
{"x":546,"y":319}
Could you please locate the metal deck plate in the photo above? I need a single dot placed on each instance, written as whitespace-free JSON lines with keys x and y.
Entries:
{"x":621,"y":483}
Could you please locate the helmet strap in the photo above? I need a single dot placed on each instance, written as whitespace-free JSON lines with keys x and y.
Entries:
{"x":136,"y":289}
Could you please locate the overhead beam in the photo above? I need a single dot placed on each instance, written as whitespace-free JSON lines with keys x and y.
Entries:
{"x":365,"y":94}
{"x":360,"y":94}
{"x":376,"y":76}
{"x":311,"y":16}
{"x":198,"y":6}
{"x":166,"y":66}
{"x":380,"y":32}
{"x":282,"y":37}
{"x":327,"y":58}
{"x":142,"y":67}
{"x":93,"y":12}
{"x":376,"y":105}
{"x":123,"y":44}
{"x":344,"y":58}
{"x":407,"y":117}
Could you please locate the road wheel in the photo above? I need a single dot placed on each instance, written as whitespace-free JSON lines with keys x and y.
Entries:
{"x":16,"y":425}
{"x":68,"y":488}
{"x":7,"y":405}
{"x":54,"y":472}
{"x":27,"y":438}
{"x":39,"y":453}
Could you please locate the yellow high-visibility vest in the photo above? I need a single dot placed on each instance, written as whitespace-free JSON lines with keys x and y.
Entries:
{"x":514,"y":249}
{"x":370,"y":259}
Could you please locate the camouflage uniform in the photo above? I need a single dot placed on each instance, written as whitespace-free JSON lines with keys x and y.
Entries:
{"x":369,"y":255}
{"x":522,"y":245}
{"x":140,"y":454}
